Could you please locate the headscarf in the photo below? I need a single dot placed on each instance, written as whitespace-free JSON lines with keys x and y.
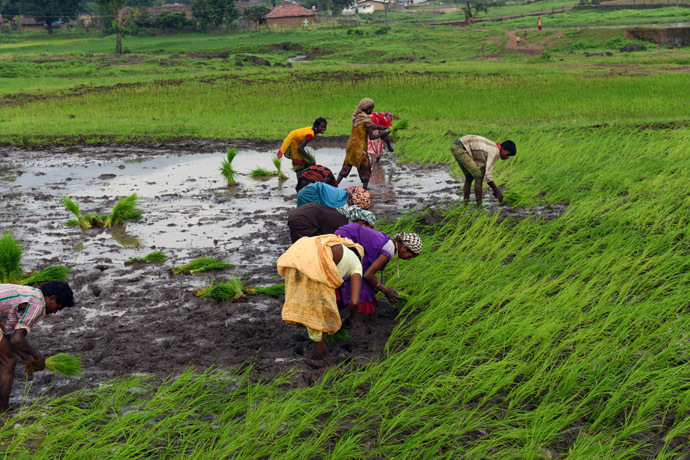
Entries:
{"x":355,"y":214}
{"x":384,"y":119}
{"x":361,"y":197}
{"x":411,"y":240}
{"x":359,"y":116}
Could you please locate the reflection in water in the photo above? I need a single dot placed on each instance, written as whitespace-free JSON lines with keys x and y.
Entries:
{"x":125,"y":239}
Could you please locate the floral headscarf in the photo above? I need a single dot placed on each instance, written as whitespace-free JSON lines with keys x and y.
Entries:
{"x":359,"y":116}
{"x":359,"y":196}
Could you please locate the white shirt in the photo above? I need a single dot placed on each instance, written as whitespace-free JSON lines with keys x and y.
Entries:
{"x":349,"y":264}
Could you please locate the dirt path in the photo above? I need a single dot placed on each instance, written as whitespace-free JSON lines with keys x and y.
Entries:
{"x":526,"y":46}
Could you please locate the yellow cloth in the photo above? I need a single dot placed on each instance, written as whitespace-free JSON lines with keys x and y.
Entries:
{"x":311,"y":277}
{"x":356,"y":145}
{"x":293,"y":140}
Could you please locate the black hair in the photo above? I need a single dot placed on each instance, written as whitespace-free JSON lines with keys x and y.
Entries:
{"x":353,"y":249}
{"x":61,"y":290}
{"x":319,"y":121}
{"x":510,"y":147}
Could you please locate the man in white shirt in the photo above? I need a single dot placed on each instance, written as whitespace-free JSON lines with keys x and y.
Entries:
{"x":477,"y":156}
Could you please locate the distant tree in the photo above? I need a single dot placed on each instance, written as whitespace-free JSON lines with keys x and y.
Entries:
{"x":122,"y":24}
{"x":50,"y":10}
{"x":169,"y":20}
{"x":477,"y":5}
{"x":256,"y":13}
{"x":139,"y":3}
{"x":214,"y":12}
{"x":9,"y":8}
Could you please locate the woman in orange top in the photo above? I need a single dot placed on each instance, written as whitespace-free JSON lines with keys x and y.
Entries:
{"x":294,"y":145}
{"x":356,"y":150}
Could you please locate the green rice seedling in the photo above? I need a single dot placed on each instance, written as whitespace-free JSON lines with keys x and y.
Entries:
{"x":226,"y":290}
{"x":341,"y":336}
{"x":397,"y":127}
{"x":124,"y":209}
{"x":153,"y":257}
{"x":56,"y":273}
{"x":83,"y":221}
{"x":278,"y":164}
{"x":276,"y":290}
{"x":201,"y":264}
{"x":10,"y":256}
{"x":512,"y":198}
{"x":65,"y":364}
{"x":226,"y":168}
{"x":261,"y":173}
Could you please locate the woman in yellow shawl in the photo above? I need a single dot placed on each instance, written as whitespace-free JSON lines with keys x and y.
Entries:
{"x":313,"y":268}
{"x":356,"y":151}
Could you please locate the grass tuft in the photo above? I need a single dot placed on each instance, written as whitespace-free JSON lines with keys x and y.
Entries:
{"x":65,"y":364}
{"x":201,"y":264}
{"x":124,"y":209}
{"x":261,"y":173}
{"x":226,"y":290}
{"x":278,"y":164}
{"x":341,"y":336}
{"x":153,"y":257}
{"x":226,"y":168}
{"x":10,"y":256}
{"x":56,"y":273}
{"x":83,"y":221}
{"x":276,"y":290}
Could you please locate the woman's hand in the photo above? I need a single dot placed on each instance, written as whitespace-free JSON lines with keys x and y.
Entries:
{"x":390,"y":293}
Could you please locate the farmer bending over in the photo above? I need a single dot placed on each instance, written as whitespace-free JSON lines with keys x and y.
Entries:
{"x":20,"y":308}
{"x":477,"y":156}
{"x":294,"y":145}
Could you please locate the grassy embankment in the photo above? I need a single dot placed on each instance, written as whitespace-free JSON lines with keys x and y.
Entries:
{"x":530,"y":339}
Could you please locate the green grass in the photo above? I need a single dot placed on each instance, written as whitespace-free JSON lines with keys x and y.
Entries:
{"x":226,"y":290}
{"x":226,"y":167}
{"x":65,"y":364}
{"x":10,"y":258}
{"x":201,"y":264}
{"x":152,"y":257}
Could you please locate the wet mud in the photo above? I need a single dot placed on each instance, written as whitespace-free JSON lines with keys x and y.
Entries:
{"x":138,"y":318}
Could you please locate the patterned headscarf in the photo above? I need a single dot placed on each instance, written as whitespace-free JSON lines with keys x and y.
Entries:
{"x":359,"y":117}
{"x":355,"y":214}
{"x":361,"y":197}
{"x":411,"y":240}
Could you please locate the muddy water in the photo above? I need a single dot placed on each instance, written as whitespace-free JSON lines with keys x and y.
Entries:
{"x":139,"y":318}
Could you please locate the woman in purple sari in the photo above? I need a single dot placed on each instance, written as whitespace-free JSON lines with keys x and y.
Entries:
{"x":379,"y":248}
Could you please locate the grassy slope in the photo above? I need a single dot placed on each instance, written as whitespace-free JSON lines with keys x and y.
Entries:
{"x":532,"y":339}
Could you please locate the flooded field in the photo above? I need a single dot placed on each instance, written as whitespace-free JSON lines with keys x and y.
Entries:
{"x":139,"y":318}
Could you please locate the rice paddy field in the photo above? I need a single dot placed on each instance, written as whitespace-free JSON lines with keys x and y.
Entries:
{"x":553,"y":327}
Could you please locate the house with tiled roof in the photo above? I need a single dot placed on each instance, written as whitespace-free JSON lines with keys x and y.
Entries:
{"x":30,"y":23}
{"x":290,"y":16}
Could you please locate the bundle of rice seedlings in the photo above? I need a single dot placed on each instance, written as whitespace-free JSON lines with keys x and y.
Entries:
{"x":512,"y":199}
{"x":201,"y":264}
{"x":83,"y":221}
{"x":124,"y":209}
{"x":56,"y":273}
{"x":226,"y":168}
{"x":261,"y":173}
{"x":276,"y":290}
{"x":65,"y":364}
{"x":341,"y":336}
{"x":396,"y":128}
{"x":10,"y":256}
{"x":277,"y":164}
{"x":155,"y":256}
{"x":226,"y":290}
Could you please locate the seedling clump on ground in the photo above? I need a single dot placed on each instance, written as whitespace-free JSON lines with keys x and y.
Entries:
{"x":226,"y":168}
{"x":153,"y":257}
{"x":201,"y":264}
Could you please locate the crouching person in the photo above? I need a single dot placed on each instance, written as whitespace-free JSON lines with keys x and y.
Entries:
{"x":20,"y":308}
{"x":313,"y":268}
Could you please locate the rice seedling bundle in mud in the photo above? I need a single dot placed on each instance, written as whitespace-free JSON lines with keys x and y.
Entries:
{"x":201,"y":264}
{"x":226,"y":168}
{"x":397,"y":127}
{"x":125,"y":209}
{"x":261,"y":173}
{"x":153,"y":257}
{"x":276,"y":290}
{"x":226,"y":290}
{"x":10,"y":265}
{"x":62,"y":363}
{"x":278,"y":164}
